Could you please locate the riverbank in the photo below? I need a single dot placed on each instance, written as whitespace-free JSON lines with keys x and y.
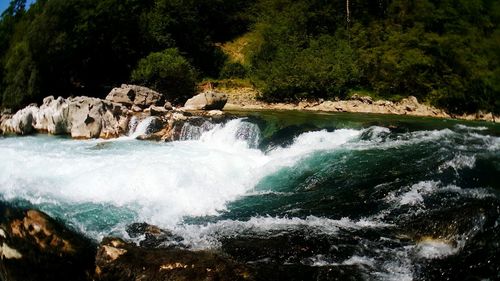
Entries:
{"x":246,"y":98}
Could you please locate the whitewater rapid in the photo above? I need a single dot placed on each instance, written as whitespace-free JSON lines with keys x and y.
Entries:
{"x":160,"y":183}
{"x":344,"y":196}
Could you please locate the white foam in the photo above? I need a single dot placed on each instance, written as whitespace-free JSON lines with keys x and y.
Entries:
{"x":311,"y":142}
{"x":459,"y":162}
{"x":160,"y":182}
{"x":407,"y":139}
{"x":358,"y":260}
{"x":205,"y":236}
{"x":471,"y":128}
{"x":435,"y":249}
{"x":414,"y":195}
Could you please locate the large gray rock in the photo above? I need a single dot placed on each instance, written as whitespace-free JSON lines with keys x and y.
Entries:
{"x":207,"y":101}
{"x":124,"y":96}
{"x":52,"y":116}
{"x":93,"y":118}
{"x":130,"y":95}
{"x":80,"y":117}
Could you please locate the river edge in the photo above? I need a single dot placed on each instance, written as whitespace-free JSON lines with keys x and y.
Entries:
{"x":246,"y":98}
{"x":85,"y":117}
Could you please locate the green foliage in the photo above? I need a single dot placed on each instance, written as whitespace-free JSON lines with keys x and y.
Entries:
{"x":233,"y":70}
{"x":86,"y":47}
{"x":167,"y":72}
{"x":325,"y":68}
{"x":442,"y":52}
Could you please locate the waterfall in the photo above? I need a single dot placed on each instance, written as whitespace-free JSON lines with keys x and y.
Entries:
{"x":140,"y":127}
{"x":234,"y":131}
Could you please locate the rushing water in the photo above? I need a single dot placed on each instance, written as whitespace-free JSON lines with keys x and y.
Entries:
{"x":317,"y":196}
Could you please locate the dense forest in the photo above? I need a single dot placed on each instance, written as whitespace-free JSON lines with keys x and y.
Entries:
{"x":444,"y":52}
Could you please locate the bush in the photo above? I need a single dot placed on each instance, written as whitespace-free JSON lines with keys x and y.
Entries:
{"x":169,"y":73}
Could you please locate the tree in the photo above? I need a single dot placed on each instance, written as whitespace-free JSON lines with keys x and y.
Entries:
{"x":167,"y":72}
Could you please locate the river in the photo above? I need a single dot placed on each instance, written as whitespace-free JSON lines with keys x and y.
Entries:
{"x":307,"y":195}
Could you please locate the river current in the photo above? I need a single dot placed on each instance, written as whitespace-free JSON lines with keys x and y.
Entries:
{"x":318,"y":196}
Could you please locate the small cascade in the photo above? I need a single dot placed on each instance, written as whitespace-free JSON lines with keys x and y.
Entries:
{"x":233,"y":132}
{"x":141,"y":128}
{"x":194,"y":132}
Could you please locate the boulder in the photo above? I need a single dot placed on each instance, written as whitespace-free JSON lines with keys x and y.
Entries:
{"x":124,"y":96}
{"x":52,"y":117}
{"x":21,"y":123}
{"x":207,"y":101}
{"x":133,"y":95}
{"x":34,"y":246}
{"x":153,"y":236}
{"x":85,"y":117}
{"x":94,"y":118}
{"x":117,"y":260}
{"x":409,"y":104}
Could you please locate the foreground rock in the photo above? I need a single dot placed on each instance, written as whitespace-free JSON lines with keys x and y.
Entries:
{"x":208,"y":100}
{"x":117,"y":260}
{"x":34,"y":246}
{"x":80,"y":117}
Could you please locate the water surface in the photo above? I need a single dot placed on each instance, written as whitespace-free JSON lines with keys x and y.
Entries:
{"x":365,"y":197}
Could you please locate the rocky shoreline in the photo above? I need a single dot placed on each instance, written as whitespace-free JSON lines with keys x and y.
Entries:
{"x":85,"y":117}
{"x":245,"y":98}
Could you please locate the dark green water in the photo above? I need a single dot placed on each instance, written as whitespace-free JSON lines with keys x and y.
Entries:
{"x":303,"y":196}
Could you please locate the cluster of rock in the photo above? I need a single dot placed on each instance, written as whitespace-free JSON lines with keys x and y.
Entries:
{"x":35,"y":247}
{"x":365,"y":104}
{"x":80,"y":117}
{"x":86,"y":117}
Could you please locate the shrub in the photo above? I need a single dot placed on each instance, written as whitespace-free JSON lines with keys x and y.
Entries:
{"x":169,"y":73}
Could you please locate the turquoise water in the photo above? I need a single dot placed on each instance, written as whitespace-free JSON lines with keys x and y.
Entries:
{"x":361,"y":196}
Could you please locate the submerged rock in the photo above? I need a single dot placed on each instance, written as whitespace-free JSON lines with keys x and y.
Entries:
{"x":207,"y":101}
{"x":34,"y":246}
{"x":117,"y":260}
{"x":153,"y":237}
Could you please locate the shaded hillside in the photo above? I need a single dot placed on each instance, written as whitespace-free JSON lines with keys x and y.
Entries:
{"x":443,"y":52}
